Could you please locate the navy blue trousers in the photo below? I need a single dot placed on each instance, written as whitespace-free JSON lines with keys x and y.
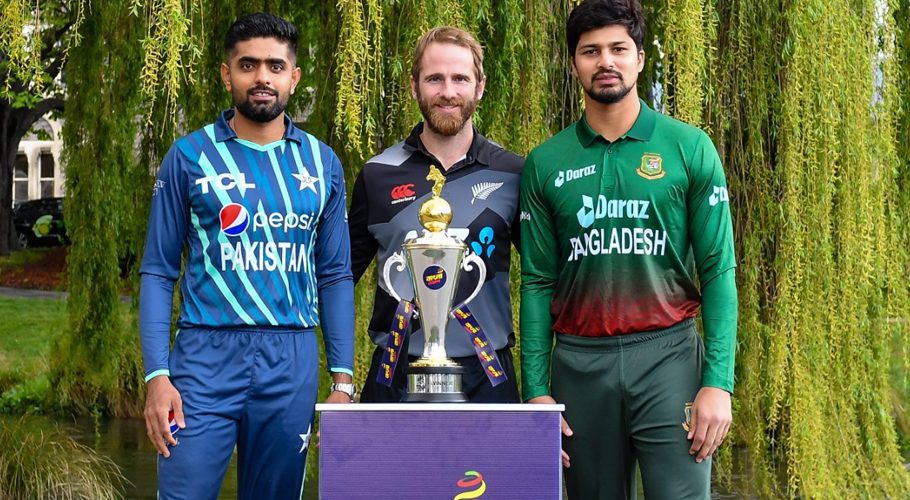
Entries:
{"x":253,"y":389}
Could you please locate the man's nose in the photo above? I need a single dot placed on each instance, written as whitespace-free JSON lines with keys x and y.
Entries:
{"x":606,"y":60}
{"x":263,"y":75}
{"x":448,"y":89}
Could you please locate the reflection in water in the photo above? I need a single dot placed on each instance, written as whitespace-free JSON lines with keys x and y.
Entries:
{"x":125,"y":442}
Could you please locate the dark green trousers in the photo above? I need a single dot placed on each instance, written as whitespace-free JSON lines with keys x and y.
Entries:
{"x":625,"y":400}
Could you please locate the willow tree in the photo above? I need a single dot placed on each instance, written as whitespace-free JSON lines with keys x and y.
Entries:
{"x":743,"y":119}
{"x":810,"y":118}
{"x":901,"y":211}
{"x":808,"y":141}
{"x":95,"y":364}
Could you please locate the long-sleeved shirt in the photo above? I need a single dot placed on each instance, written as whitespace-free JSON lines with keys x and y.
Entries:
{"x":266,"y":237}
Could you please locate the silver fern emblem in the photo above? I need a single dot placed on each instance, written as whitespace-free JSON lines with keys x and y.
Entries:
{"x":484,"y":189}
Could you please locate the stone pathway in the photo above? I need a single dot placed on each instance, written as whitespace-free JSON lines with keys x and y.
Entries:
{"x":25,"y":293}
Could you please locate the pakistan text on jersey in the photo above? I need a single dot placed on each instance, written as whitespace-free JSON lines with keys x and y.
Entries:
{"x":264,"y":256}
{"x":622,"y":241}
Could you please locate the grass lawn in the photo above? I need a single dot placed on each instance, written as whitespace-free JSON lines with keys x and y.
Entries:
{"x":26,"y":331}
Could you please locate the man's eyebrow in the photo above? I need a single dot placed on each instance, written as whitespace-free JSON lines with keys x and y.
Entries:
{"x":269,"y":60}
{"x":440,"y":75}
{"x":595,"y":45}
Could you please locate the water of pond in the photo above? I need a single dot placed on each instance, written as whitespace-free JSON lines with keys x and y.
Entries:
{"x":125,"y":442}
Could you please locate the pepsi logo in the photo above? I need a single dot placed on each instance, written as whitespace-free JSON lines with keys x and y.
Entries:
{"x":234,"y":219}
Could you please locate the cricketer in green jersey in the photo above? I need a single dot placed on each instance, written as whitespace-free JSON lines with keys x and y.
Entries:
{"x":626,"y":233}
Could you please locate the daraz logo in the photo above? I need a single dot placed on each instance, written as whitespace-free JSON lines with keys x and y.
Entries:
{"x":573,"y":174}
{"x":611,"y":209}
{"x":586,"y":213}
{"x":472,"y":479}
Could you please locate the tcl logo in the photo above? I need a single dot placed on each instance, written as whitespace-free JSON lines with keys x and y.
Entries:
{"x":403,"y":191}
{"x":225,"y":182}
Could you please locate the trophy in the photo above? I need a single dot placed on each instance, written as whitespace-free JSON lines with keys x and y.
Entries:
{"x":435,"y":261}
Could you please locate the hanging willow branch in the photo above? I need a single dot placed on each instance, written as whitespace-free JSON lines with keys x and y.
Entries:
{"x":20,"y":37}
{"x":688,"y":30}
{"x":815,"y":239}
{"x":358,"y":72}
{"x":171,"y":52}
{"x":95,"y":364}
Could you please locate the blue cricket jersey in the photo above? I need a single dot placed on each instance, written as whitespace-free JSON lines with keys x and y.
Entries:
{"x":266,"y":234}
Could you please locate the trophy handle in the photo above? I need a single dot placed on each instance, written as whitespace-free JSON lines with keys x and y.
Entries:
{"x":396,"y":257}
{"x":472,"y":258}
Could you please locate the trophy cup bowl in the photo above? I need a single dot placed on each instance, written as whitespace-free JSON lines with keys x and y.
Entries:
{"x":435,"y":261}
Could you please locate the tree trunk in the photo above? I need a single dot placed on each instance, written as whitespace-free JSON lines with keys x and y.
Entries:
{"x":8,"y":146}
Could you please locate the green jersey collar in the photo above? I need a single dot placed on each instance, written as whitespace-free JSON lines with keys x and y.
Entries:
{"x":641,"y":130}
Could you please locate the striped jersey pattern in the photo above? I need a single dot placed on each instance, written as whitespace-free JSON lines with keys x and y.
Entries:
{"x":263,"y":226}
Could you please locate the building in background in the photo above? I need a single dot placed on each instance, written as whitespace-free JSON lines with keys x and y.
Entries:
{"x":37,"y":172}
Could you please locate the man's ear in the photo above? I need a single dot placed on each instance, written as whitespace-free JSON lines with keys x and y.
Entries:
{"x":413,"y":88}
{"x":226,"y":76}
{"x":572,"y":66}
{"x":295,"y":78}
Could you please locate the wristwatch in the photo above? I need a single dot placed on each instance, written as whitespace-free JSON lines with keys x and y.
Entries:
{"x":346,"y":387}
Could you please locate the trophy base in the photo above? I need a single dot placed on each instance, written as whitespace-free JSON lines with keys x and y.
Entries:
{"x":435,"y":384}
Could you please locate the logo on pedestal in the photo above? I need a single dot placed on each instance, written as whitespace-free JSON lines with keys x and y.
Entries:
{"x":474,"y":480}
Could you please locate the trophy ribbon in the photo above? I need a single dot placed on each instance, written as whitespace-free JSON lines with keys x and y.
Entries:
{"x":492,"y":368}
{"x":398,"y":332}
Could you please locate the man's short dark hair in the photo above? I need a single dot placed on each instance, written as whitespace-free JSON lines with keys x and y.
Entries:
{"x":595,"y":14}
{"x":261,"y":25}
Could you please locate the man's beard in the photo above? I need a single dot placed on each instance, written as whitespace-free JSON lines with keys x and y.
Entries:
{"x":446,"y":123}
{"x":608,"y":96}
{"x":262,"y":113}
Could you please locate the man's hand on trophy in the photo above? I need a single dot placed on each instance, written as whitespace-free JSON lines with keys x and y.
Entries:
{"x":566,"y":430}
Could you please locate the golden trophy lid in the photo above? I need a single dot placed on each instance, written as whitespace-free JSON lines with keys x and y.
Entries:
{"x":435,"y":213}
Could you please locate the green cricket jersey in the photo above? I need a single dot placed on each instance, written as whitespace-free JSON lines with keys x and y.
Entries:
{"x":614,"y":236}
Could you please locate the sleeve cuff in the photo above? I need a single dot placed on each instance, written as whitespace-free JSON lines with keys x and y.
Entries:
{"x":157,"y":373}
{"x":533,"y":392}
{"x":709,"y":381}
{"x":341,"y":370}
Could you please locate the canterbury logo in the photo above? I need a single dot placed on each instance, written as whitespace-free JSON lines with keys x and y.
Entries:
{"x":483,"y":190}
{"x":403,"y":191}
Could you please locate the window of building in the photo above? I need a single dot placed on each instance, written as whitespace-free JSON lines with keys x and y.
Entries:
{"x":47,"y":174}
{"x":20,"y":179}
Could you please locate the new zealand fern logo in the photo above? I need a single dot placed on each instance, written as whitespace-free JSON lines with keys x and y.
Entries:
{"x":474,"y":480}
{"x":484,"y":189}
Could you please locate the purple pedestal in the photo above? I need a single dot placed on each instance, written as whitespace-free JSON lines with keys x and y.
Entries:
{"x":439,"y":451}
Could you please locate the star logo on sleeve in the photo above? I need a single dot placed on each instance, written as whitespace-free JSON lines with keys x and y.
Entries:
{"x":306,"y":180}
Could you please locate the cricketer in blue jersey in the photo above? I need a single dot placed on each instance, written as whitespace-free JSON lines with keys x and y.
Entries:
{"x":257,"y":207}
